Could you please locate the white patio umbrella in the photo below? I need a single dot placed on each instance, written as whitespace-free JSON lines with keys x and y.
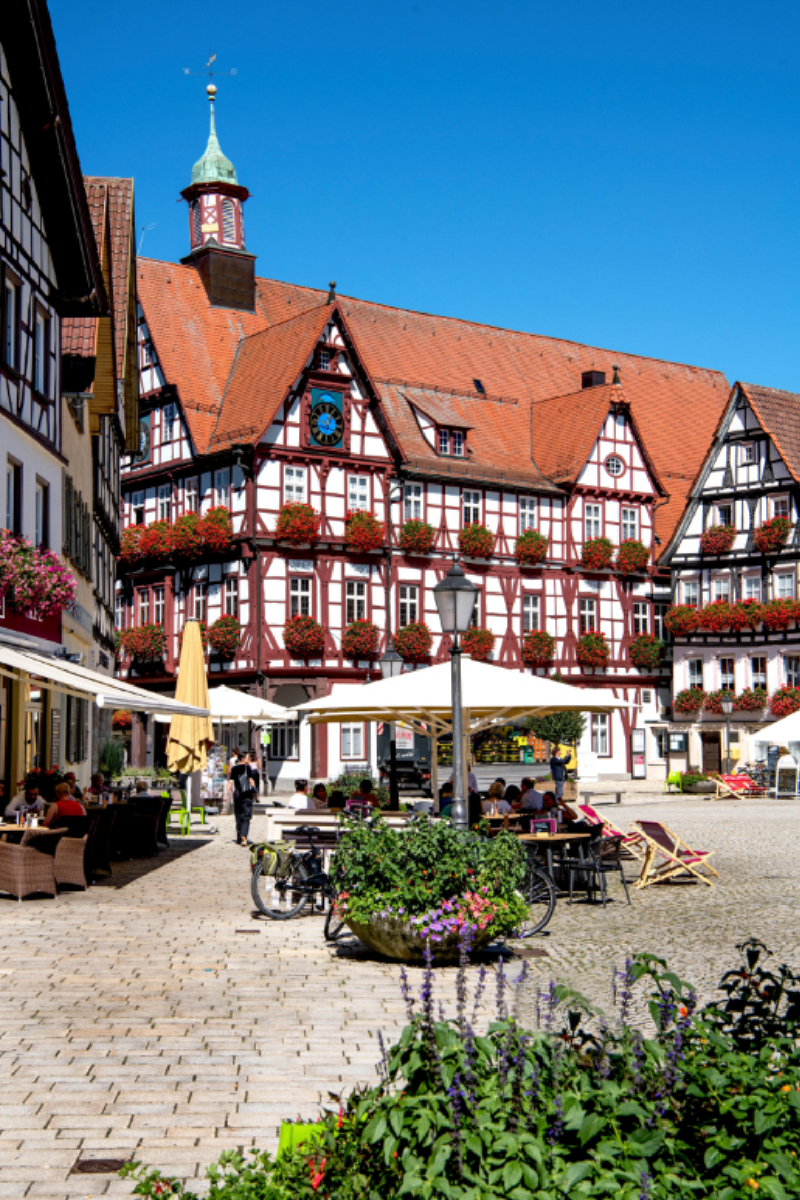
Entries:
{"x":782,"y":732}
{"x":230,"y":706}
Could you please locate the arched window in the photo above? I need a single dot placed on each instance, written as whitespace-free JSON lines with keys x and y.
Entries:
{"x":228,"y":221}
{"x":197,"y":221}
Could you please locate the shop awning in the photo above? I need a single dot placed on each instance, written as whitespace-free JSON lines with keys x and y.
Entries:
{"x":70,"y":679}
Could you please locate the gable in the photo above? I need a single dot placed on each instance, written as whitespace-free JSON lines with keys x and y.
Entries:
{"x":617,"y":462}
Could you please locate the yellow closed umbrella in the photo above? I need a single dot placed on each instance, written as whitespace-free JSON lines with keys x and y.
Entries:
{"x":190,"y":737}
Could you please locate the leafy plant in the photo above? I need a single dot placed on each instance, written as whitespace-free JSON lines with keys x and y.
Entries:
{"x":717,"y":539}
{"x":538,"y":648}
{"x":597,"y":554}
{"x":360,"y":640}
{"x":225,"y":636}
{"x":363,"y":531}
{"x":155,"y":540}
{"x":689,"y":701}
{"x":560,"y":729}
{"x":144,"y":641}
{"x":772,"y":535}
{"x":713,"y":700}
{"x":632,"y":557}
{"x":111,"y":755}
{"x":349,"y":784}
{"x":645,"y":651}
{"x":34,"y":580}
{"x":187,"y":536}
{"x":479,"y":643}
{"x":475,"y":540}
{"x":681,"y":619}
{"x":531,"y":548}
{"x":130,"y":544}
{"x":751,"y":700}
{"x":417,"y":537}
{"x":742,"y":614}
{"x":413,"y":642}
{"x":592,"y":650}
{"x":304,"y":637}
{"x":218,"y":529}
{"x":298,"y":524}
{"x":784,"y":701}
{"x":780,"y":614}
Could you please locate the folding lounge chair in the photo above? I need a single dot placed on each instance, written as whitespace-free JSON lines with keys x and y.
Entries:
{"x":668,"y":856}
{"x":735,"y":787}
{"x":632,"y":842}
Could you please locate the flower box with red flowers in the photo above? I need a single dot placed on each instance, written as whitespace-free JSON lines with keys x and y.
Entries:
{"x":645,"y":651}
{"x":417,"y":537}
{"x":304,"y":637}
{"x":770,"y":537}
{"x":298,"y":524}
{"x":593,"y":650}
{"x":478,"y":643}
{"x":785,"y":701}
{"x":751,"y":700}
{"x":597,"y":554}
{"x":187,"y":536}
{"x":144,"y":642}
{"x":681,"y":619}
{"x":224,"y":636}
{"x":713,"y":701}
{"x":34,"y":581}
{"x":130,"y":549}
{"x":217,"y":529}
{"x":360,"y":640}
{"x":717,"y":539}
{"x":413,"y":642}
{"x":363,"y":531}
{"x":203,"y":637}
{"x":156,"y":540}
{"x":632,"y":557}
{"x":476,"y":541}
{"x":531,"y":548}
{"x":121,"y":719}
{"x":780,"y":614}
{"x":538,"y":648}
{"x":721,"y":614}
{"x":689,"y":701}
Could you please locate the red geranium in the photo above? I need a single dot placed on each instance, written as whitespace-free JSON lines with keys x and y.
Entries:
{"x":417,"y":537}
{"x":772,"y":535}
{"x":681,"y":619}
{"x":751,"y":700}
{"x":363,"y":531}
{"x":187,"y":535}
{"x":713,"y":701}
{"x":593,"y":650}
{"x":298,"y":524}
{"x":597,"y":554}
{"x":743,"y":614}
{"x":130,"y":548}
{"x":121,"y":718}
{"x":413,"y":642}
{"x":538,"y":648}
{"x":304,"y":637}
{"x":218,"y":529}
{"x":780,"y":614}
{"x":689,"y":701}
{"x":479,"y":643}
{"x":531,"y":548}
{"x":156,"y":540}
{"x":632,"y":557}
{"x":360,"y":640}
{"x":225,"y":636}
{"x":785,"y":701}
{"x":717,"y":539}
{"x":475,"y":541}
{"x":144,"y":641}
{"x":645,"y":651}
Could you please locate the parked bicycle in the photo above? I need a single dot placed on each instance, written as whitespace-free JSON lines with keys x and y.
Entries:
{"x":285,"y":881}
{"x":540,"y":891}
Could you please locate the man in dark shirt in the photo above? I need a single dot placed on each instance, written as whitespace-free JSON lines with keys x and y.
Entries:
{"x":558,"y":769}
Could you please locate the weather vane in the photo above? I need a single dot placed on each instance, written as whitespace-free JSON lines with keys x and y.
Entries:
{"x":209,"y":70}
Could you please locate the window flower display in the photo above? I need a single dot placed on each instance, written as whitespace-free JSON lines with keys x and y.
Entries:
{"x":531,"y":548}
{"x":144,"y":641}
{"x":743,"y":614}
{"x":645,"y":651}
{"x":225,"y":636}
{"x":417,"y":537}
{"x":538,"y":648}
{"x":121,"y":718}
{"x":479,"y":643}
{"x":681,"y":619}
{"x":130,"y":548}
{"x":593,"y":650}
{"x":785,"y":701}
{"x":34,"y":580}
{"x":597,"y":554}
{"x":713,"y":701}
{"x":751,"y":700}
{"x":304,"y":637}
{"x":155,"y":540}
{"x":689,"y":701}
{"x":717,"y":539}
{"x":413,"y":642}
{"x":780,"y":614}
{"x":475,"y":541}
{"x":772,"y":535}
{"x":363,"y":531}
{"x":217,"y":529}
{"x":632,"y":557}
{"x":298,"y":524}
{"x":360,"y":640}
{"x":187,"y":536}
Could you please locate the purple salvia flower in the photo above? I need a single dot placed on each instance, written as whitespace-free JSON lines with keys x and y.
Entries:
{"x":626,"y":992}
{"x":556,"y":1130}
{"x":519,"y":984}
{"x":383,"y":1065}
{"x":405,"y":992}
{"x":500,"y":979}
{"x":456,"y":1097}
{"x":552,"y":1004}
{"x":478,"y":993}
{"x":646,"y":1181}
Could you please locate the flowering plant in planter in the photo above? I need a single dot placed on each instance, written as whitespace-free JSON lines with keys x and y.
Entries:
{"x":203,"y":637}
{"x":121,"y":718}
{"x":475,"y":541}
{"x":298,"y":524}
{"x":144,"y":641}
{"x":218,"y":529}
{"x":592,"y":650}
{"x":479,"y":643}
{"x":681,"y":619}
{"x":538,"y":648}
{"x":417,"y":537}
{"x":32,"y":579}
{"x":717,"y":539}
{"x":531,"y":548}
{"x":225,"y":636}
{"x":713,"y":701}
{"x":597,"y":553}
{"x":130,"y":549}
{"x":360,"y":640}
{"x":772,"y":535}
{"x":723,"y":615}
{"x":780,"y":614}
{"x":362,"y":531}
{"x":413,"y":642}
{"x":304,"y":637}
{"x":751,"y":700}
{"x":187,"y":535}
{"x":785,"y":701}
{"x":689,"y":701}
{"x":645,"y":651}
{"x":156,"y":540}
{"x":632,"y":556}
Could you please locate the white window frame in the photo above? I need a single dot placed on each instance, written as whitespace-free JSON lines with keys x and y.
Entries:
{"x":158,"y":605}
{"x":168,"y":415}
{"x":143,"y":606}
{"x":659,"y":612}
{"x":41,"y":350}
{"x":629,"y":523}
{"x":748,"y":454}
{"x":165,"y":502}
{"x":727,"y":678}
{"x":120,"y":610}
{"x":200,"y":601}
{"x":615,"y":458}
{"x":285,"y":741}
{"x":722,"y":519}
{"x":408,"y":604}
{"x":353,"y":742}
{"x":531,"y":612}
{"x":601,"y":735}
{"x":722,"y":587}
{"x":412,"y":502}
{"x":751,"y":587}
{"x":791,"y":669}
{"x":444,"y":441}
{"x":526,"y":514}
{"x":758,"y":678}
{"x":694,"y":672}
{"x":358,"y":493}
{"x":231,"y":599}
{"x":781,"y":506}
{"x":784,"y":585}
{"x":222,"y":487}
{"x":592,"y":521}
{"x":294,"y":485}
{"x":41,"y":505}
{"x":324,"y":359}
{"x":191,"y":495}
{"x":470,"y":508}
{"x":641,"y":617}
{"x":457,"y":443}
{"x":355,"y":600}
{"x":11,"y":295}
{"x":587,"y":609}
{"x":690,"y":592}
{"x":137,"y":505}
{"x":299,"y":596}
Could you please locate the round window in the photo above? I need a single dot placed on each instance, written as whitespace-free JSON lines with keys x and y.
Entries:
{"x":614,"y":465}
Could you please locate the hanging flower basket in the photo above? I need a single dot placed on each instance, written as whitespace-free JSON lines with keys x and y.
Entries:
{"x":681,"y":619}
{"x":218,"y":529}
{"x":144,"y":641}
{"x":187,"y":536}
{"x":597,"y":554}
{"x":593,"y":650}
{"x":304,"y":637}
{"x":203,"y":637}
{"x":360,"y":640}
{"x":531,"y":548}
{"x":225,"y":636}
{"x":34,"y":580}
{"x":751,"y":700}
{"x":717,"y":539}
{"x":772,"y":535}
{"x":744,"y":614}
{"x":121,"y":719}
{"x":780,"y":614}
{"x":156,"y":540}
{"x":785,"y":701}
{"x":475,"y":541}
{"x":632,"y":557}
{"x":298,"y":524}
{"x":479,"y":643}
{"x":413,"y":642}
{"x":363,"y":531}
{"x":130,"y":547}
{"x":645,"y":651}
{"x":713,"y":701}
{"x":538,"y":648}
{"x":689,"y":701}
{"x":417,"y":537}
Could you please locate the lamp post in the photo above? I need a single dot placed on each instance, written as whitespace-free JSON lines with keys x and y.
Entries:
{"x":455,"y":601}
{"x":391,"y":664}
{"x":727,"y":708}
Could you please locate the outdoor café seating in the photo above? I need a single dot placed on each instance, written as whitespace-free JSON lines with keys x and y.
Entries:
{"x":668,"y":857}
{"x":28,"y":866}
{"x":603,"y":856}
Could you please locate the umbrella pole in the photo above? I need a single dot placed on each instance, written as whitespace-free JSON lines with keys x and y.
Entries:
{"x":435,"y":770}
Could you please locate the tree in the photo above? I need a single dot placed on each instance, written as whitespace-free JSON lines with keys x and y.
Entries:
{"x":565,"y":728}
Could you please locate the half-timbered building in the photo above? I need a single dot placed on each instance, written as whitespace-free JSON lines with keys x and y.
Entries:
{"x":258,"y":394}
{"x":737,"y":548}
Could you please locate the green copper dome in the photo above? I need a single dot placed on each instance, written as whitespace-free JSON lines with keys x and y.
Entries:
{"x":213,"y":167}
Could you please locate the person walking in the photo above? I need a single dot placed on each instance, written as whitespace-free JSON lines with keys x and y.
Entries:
{"x":558,"y":769}
{"x":244,"y":794}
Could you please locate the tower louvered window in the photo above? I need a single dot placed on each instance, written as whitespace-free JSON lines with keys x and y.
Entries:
{"x":228,"y":221}
{"x":197,"y":222}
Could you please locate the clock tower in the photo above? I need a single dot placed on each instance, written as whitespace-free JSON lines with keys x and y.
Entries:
{"x":216,"y":226}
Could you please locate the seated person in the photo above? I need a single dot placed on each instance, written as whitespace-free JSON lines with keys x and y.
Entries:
{"x":141,"y":785}
{"x":29,"y":798}
{"x":64,"y":805}
{"x":531,"y":797}
{"x":495,"y":802}
{"x":513,"y":797}
{"x":445,"y":794}
{"x":300,"y":800}
{"x":365,"y":794}
{"x":71,"y":778}
{"x":549,"y":803}
{"x":337,"y":799}
{"x":319,"y":796}
{"x":98,"y":786}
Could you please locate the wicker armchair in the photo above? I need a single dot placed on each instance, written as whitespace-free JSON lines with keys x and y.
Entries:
{"x":72,"y":864}
{"x":29,"y":867}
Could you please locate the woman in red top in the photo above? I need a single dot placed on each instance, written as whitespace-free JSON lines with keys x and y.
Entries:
{"x":65,"y":805}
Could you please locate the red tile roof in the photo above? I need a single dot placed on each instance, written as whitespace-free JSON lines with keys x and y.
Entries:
{"x":676,"y":407}
{"x":778,"y":414}
{"x":79,"y":334}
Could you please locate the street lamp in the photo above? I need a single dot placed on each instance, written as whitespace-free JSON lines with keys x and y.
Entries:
{"x":727,"y":708}
{"x":455,"y":601}
{"x":391,"y":664}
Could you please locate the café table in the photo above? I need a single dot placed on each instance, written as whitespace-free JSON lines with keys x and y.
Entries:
{"x":554,"y":841}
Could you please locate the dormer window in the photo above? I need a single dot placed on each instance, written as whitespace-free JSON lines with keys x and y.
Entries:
{"x":324,"y":360}
{"x":451,"y":442}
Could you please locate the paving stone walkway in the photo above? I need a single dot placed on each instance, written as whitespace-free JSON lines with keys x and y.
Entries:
{"x":154,"y":1016}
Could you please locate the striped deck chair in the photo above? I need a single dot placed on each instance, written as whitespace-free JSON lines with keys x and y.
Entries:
{"x":736,"y":787}
{"x":632,"y":842}
{"x":668,"y":856}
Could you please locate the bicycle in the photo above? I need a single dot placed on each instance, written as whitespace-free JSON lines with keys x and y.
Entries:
{"x":284,"y":895}
{"x":540,"y":892}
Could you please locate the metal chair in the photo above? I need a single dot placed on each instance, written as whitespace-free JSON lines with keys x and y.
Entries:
{"x":604,"y":856}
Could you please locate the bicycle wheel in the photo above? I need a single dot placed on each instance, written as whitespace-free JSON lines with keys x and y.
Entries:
{"x":277,"y":898}
{"x":333,"y":924}
{"x":540,"y":893}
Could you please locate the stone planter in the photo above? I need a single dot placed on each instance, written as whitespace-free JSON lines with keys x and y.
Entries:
{"x":399,"y":939}
{"x":702,"y":788}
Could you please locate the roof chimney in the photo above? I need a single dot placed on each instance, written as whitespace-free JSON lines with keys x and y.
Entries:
{"x":616,"y":378}
{"x":593,"y":379}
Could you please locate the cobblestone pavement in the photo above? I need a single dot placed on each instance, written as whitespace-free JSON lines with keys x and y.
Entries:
{"x":155,"y":1016}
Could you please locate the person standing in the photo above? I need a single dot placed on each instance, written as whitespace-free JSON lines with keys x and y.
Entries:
{"x":558,"y":769}
{"x":243,"y":796}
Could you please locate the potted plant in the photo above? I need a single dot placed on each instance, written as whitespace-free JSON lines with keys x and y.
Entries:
{"x":713,"y":701}
{"x":475,"y":541}
{"x":689,"y":701}
{"x":538,"y":648}
{"x":592,"y":650}
{"x":696,"y":782}
{"x":479,"y":643}
{"x":144,"y":642}
{"x":225,"y":636}
{"x":413,"y":642}
{"x":298,"y":524}
{"x":632,"y":557}
{"x":645,"y":651}
{"x":681,"y":619}
{"x":187,"y":536}
{"x":751,"y":700}
{"x":156,"y":540}
{"x":717,"y":539}
{"x":130,"y":548}
{"x":34,"y":580}
{"x":780,"y":614}
{"x":360,"y":640}
{"x":784,"y":701}
{"x":304,"y":637}
{"x":121,"y":718}
{"x":770,"y":537}
{"x":530,"y":548}
{"x":363,"y":532}
{"x":217,"y":529}
{"x":597,"y":554}
{"x":417,"y":537}
{"x":721,"y":614}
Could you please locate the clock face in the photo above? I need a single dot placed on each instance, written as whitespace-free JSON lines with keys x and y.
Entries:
{"x":327,"y":423}
{"x":144,"y":440}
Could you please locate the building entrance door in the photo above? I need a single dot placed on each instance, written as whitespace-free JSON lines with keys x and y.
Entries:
{"x":712,"y":756}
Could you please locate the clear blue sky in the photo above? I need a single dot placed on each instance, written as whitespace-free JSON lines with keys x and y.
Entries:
{"x":615,"y":173}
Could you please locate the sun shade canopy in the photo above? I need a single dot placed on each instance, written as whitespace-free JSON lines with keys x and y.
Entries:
{"x":191,"y":736}
{"x":781,"y":732}
{"x":230,"y":706}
